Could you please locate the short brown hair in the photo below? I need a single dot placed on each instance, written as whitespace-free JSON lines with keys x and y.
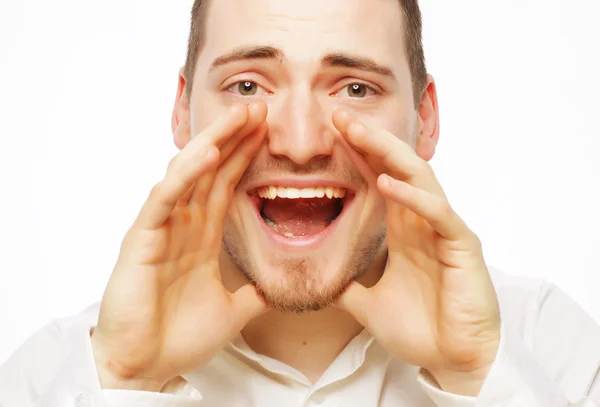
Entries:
{"x":413,"y":38}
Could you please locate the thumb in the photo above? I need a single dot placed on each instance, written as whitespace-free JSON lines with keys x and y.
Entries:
{"x":354,"y":301}
{"x":247,"y":304}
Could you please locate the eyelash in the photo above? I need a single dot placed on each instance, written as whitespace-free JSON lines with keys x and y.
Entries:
{"x":236,"y":84}
{"x":371,"y":89}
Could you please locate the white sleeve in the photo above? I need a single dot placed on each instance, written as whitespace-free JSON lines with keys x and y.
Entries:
{"x":56,"y":368}
{"x":562,"y":369}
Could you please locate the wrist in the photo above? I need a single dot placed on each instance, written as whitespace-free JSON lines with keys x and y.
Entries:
{"x":465,"y":383}
{"x":114,"y":376}
{"x":110,"y":381}
{"x":467,"y":379}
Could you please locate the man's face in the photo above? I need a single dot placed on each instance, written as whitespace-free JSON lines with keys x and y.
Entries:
{"x":302,"y":252}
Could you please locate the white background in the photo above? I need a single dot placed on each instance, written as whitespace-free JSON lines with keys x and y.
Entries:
{"x":86,"y":90}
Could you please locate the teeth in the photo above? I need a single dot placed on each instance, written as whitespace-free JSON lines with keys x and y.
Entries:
{"x":307,"y":193}
{"x":293,"y":193}
{"x":270,"y":223}
{"x":272,"y":192}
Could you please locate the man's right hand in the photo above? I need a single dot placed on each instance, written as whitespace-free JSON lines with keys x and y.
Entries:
{"x":165,"y":311}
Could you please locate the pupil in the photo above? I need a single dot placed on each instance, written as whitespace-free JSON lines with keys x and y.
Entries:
{"x":358,"y":90}
{"x":247,"y":88}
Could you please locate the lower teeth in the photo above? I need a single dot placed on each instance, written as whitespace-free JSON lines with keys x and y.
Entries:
{"x":273,"y":226}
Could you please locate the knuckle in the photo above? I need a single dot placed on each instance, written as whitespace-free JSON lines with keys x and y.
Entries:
{"x":201,"y":159}
{"x":476,"y":241}
{"x":128,"y":240}
{"x":443,"y":208}
{"x":226,"y":182}
{"x":157,"y":190}
{"x":203,"y":151}
{"x":423,"y":167}
{"x":172,"y":162}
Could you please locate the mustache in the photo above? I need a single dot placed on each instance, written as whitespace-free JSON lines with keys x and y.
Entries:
{"x":325,"y":167}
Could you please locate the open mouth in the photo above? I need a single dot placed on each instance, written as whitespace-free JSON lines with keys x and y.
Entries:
{"x":300,"y":213}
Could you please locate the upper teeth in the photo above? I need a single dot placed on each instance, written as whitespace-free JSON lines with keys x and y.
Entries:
{"x":272,"y":192}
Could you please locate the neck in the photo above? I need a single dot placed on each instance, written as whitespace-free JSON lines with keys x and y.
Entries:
{"x":308,"y":342}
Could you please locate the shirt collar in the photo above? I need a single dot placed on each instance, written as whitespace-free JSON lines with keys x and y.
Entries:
{"x":348,"y":361}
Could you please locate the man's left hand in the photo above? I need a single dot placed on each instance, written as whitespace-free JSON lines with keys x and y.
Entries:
{"x":435,"y":306}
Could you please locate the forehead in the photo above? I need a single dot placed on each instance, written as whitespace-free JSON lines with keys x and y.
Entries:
{"x":307,"y":29}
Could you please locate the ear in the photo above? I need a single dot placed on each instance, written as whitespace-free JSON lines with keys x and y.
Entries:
{"x":429,"y":122}
{"x":180,"y":120}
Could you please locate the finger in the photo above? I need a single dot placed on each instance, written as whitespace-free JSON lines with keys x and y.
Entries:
{"x":165,"y":195}
{"x":199,"y":190}
{"x":215,"y":134}
{"x":247,"y":304}
{"x":257,"y":113}
{"x":226,"y":126}
{"x":435,"y":210}
{"x":394,"y":154}
{"x":353,"y":301}
{"x":359,"y":162}
{"x":223,"y":128}
{"x":341,"y":120}
{"x":227,"y":178}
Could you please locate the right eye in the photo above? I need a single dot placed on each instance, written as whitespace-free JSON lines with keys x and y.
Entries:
{"x":247,"y":88}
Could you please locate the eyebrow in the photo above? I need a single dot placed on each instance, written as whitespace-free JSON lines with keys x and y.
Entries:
{"x":354,"y":61}
{"x":246,"y":53}
{"x":337,"y":60}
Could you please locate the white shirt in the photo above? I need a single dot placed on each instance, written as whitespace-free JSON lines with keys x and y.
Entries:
{"x":549,"y":356}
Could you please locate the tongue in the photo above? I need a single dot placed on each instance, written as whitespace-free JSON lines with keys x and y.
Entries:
{"x":299,"y":217}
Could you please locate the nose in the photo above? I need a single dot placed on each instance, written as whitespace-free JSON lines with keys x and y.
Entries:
{"x":299,"y":128}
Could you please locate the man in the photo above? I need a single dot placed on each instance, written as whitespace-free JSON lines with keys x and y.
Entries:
{"x":300,"y":251}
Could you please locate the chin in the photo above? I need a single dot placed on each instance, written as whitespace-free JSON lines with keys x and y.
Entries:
{"x":303,"y":282}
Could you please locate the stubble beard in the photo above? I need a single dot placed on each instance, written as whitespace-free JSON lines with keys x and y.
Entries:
{"x":300,"y":285}
{"x":301,"y":289}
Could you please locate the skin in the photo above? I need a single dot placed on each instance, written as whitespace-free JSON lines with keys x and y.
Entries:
{"x":428,"y":276}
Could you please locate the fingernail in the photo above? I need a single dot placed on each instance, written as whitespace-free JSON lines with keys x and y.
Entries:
{"x":202,"y":152}
{"x":387,"y":181}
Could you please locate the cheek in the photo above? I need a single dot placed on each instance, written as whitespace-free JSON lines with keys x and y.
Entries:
{"x":370,"y":219}
{"x":402,"y":127}
{"x":393,"y":116}
{"x":205,"y":108}
{"x":378,"y":217}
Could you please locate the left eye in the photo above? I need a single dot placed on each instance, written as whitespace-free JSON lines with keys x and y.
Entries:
{"x":246,"y":88}
{"x":359,"y":90}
